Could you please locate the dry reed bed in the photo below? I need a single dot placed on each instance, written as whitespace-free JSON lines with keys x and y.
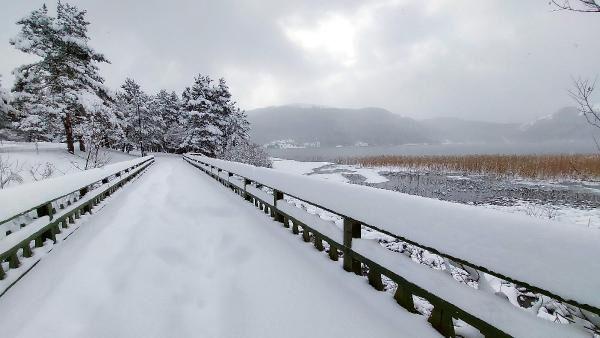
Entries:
{"x":583,"y":167}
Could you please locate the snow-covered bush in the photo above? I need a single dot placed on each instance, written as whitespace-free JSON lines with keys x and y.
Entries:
{"x":10,"y":171}
{"x":247,"y":152}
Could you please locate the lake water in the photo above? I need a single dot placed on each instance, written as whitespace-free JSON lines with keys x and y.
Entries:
{"x":332,"y":153}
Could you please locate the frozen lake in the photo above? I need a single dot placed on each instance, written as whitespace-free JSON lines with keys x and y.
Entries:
{"x":332,"y":153}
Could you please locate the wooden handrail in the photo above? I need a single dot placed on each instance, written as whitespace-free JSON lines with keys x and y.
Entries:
{"x":31,"y":190}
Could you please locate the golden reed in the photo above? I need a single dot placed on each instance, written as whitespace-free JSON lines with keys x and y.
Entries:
{"x":527,"y":166}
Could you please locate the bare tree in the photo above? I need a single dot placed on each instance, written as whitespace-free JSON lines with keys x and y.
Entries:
{"x":95,"y":132}
{"x":583,"y":6}
{"x":582,"y":91}
{"x":41,"y":171}
{"x":9,"y":171}
{"x":95,"y":157}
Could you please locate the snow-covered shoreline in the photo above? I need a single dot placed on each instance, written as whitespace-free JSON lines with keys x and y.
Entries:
{"x":585,"y":217}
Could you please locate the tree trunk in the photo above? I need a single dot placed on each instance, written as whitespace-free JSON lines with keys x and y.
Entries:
{"x":69,"y":133}
{"x":81,"y":144}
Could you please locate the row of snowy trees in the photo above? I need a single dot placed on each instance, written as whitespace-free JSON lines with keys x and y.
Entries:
{"x":62,"y":97}
{"x":5,"y":106}
{"x":205,"y":119}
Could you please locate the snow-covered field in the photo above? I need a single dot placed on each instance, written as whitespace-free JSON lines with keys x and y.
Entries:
{"x":34,"y":162}
{"x":585,"y":217}
{"x":327,"y":170}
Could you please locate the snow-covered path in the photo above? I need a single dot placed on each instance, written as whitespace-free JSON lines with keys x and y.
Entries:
{"x":177,"y":255}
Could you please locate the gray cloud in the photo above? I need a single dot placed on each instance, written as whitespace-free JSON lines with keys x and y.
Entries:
{"x":488,"y":60}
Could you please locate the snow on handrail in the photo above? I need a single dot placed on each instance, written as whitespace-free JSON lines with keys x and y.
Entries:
{"x":552,"y":258}
{"x":23,"y":198}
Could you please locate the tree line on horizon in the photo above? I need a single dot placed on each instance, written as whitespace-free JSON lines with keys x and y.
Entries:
{"x":61,"y":97}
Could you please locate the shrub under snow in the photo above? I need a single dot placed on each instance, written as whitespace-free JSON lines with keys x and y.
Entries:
{"x":247,"y":152}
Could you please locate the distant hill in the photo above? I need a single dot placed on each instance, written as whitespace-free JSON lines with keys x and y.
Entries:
{"x":326,"y":126}
{"x":565,"y":124}
{"x":334,"y":126}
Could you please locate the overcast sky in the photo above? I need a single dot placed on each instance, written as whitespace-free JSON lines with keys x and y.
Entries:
{"x":500,"y":60}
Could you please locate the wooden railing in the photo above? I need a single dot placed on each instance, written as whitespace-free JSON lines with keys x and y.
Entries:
{"x":493,"y":316}
{"x":54,"y":205}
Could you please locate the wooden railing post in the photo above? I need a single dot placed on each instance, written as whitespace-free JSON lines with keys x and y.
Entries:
{"x":351,"y":230}
{"x":278,"y":196}
{"x":441,"y":320}
{"x":27,"y":250}
{"x":318,"y":242}
{"x":45,"y":210}
{"x":247,"y":182}
{"x":13,"y":261}
{"x":404,"y":298}
{"x":83,"y":191}
{"x":333,"y":253}
{"x":286,"y":222}
{"x":305,"y":233}
{"x":374,"y":277}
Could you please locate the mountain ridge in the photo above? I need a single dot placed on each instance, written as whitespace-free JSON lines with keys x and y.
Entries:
{"x":330,"y":126}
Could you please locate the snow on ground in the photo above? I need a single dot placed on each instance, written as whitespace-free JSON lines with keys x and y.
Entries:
{"x":328,"y":171}
{"x":178,"y":255}
{"x":296,"y":167}
{"x":587,"y":218}
{"x":28,"y":156}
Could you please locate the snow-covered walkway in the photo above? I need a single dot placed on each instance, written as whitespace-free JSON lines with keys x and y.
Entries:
{"x":177,"y":255}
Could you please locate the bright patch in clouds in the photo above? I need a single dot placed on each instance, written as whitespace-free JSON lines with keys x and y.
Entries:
{"x":264,"y":88}
{"x":333,"y":35}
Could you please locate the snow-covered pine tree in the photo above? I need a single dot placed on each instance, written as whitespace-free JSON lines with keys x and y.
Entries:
{"x":204,"y":119}
{"x":132,"y":103}
{"x":114,"y":134}
{"x":5,"y":106}
{"x":233,"y":122}
{"x":37,"y":117}
{"x":50,"y":88}
{"x":237,"y":128}
{"x":81,"y":76}
{"x":167,"y":105}
{"x":157,"y":105}
{"x":169,"y":132}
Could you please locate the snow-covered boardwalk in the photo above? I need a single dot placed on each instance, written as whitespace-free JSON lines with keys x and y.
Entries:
{"x":170,"y":257}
